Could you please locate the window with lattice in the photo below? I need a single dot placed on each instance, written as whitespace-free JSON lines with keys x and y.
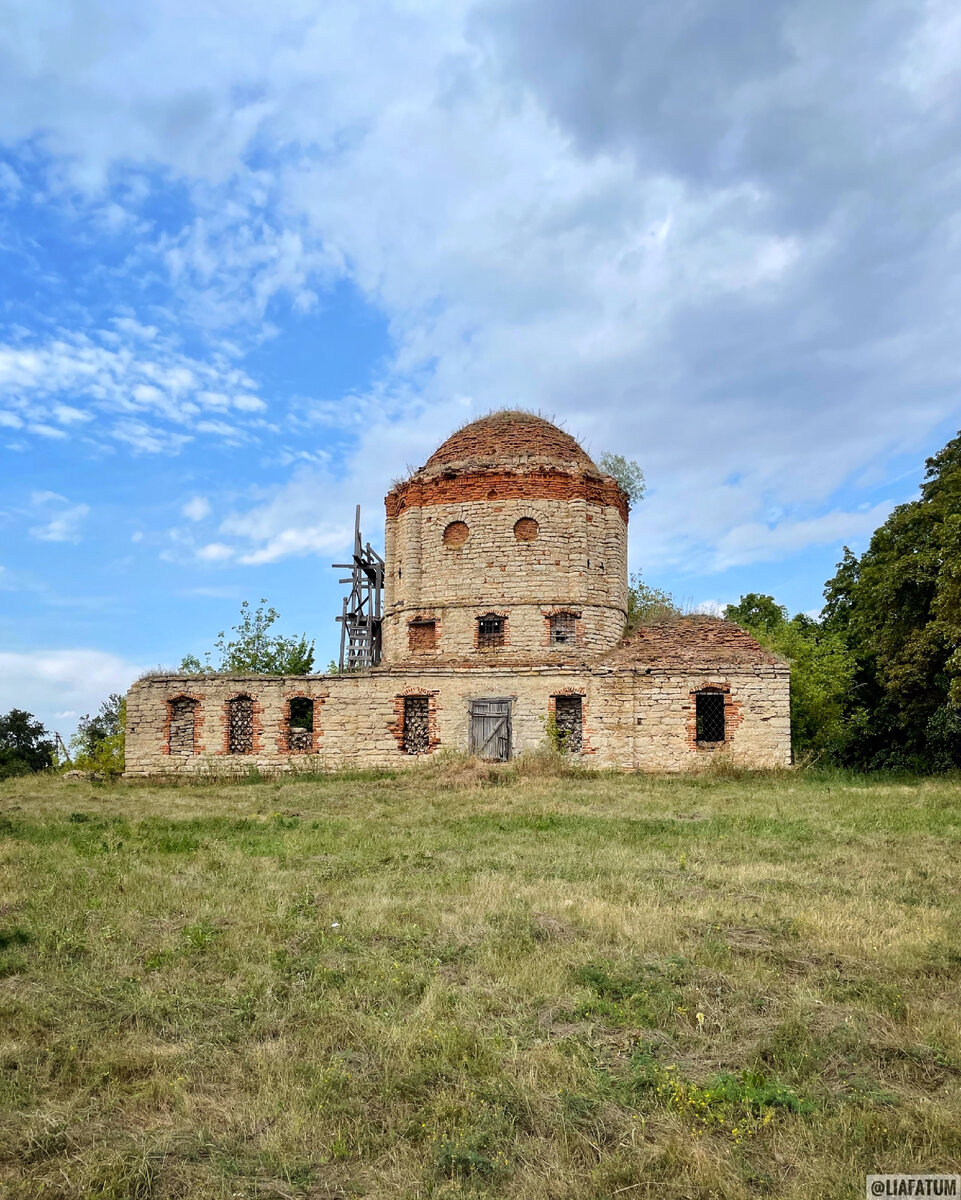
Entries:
{"x":490,"y":632}
{"x":240,"y":725}
{"x":416,"y":725}
{"x":569,"y":718}
{"x":709,"y":714}
{"x":300,"y":726}
{"x":563,"y":629}
{"x":183,"y":725}
{"x":421,"y":636}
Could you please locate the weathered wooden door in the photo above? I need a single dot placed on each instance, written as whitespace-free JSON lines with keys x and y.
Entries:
{"x":490,"y":729}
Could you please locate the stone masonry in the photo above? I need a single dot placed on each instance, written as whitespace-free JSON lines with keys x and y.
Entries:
{"x":510,"y":523}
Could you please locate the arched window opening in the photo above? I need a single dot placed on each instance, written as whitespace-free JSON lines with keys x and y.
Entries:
{"x":240,"y":725}
{"x":422,"y":636}
{"x":416,"y":725}
{"x":569,"y":717}
{"x":563,"y":629}
{"x":709,"y":714}
{"x":300,"y":726}
{"x":490,"y":631}
{"x":183,"y":725}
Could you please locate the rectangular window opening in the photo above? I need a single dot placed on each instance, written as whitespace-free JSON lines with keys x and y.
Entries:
{"x":416,"y":725}
{"x":422,"y":635}
{"x":563,"y":629}
{"x":709,"y":714}
{"x":490,"y":632}
{"x":300,"y":728}
{"x":569,"y":715}
{"x":240,"y":725}
{"x":183,"y":724}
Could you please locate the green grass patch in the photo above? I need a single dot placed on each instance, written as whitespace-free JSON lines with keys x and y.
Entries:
{"x":522,"y":983}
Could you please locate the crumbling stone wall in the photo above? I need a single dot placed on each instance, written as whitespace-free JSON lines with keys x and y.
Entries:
{"x":633,"y":718}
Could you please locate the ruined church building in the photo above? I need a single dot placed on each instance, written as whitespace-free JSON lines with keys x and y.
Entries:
{"x":502,"y":616}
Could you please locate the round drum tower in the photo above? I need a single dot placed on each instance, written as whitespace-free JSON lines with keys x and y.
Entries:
{"x":508,"y":541}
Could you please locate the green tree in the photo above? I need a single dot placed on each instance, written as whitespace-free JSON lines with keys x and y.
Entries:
{"x":822,"y":672}
{"x":757,"y":613}
{"x":898,"y":607}
{"x":25,"y":745}
{"x":99,"y":743}
{"x":254,"y":648}
{"x":646,"y":603}
{"x":627,"y":473}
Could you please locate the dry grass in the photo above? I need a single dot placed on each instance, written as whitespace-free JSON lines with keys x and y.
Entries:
{"x":506,"y":982}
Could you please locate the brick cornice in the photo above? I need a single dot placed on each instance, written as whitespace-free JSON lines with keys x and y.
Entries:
{"x":462,"y":487}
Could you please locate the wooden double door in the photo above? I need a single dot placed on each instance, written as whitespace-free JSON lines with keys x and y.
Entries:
{"x":490,"y":729}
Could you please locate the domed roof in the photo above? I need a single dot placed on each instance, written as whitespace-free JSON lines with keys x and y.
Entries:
{"x":511,"y":436}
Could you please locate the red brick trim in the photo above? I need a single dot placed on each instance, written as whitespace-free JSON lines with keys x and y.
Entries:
{"x":733,"y":716}
{"x":396,"y":727}
{"x":414,"y":638}
{"x":586,"y":747}
{"x":283,"y":735}
{"x":198,"y":720}
{"x":491,"y":612}
{"x":546,"y":483}
{"x":557,"y":612}
{"x":257,"y":711}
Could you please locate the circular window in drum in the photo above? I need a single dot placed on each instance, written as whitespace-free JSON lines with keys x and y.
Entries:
{"x":526,"y":529}
{"x":456,"y":534}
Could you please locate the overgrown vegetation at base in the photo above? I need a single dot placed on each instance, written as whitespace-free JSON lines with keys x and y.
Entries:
{"x":519,"y":981}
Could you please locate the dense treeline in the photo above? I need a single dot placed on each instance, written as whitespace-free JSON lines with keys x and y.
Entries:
{"x":876,"y":681}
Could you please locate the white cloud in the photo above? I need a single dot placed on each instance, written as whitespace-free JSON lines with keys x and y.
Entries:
{"x":56,"y":685}
{"x":756,"y":542}
{"x":196,"y":508}
{"x":215,"y":552}
{"x":61,"y":520}
{"x":150,"y":394}
{"x":655,"y":228}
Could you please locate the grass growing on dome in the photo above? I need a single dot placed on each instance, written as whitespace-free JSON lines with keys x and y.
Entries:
{"x":522,"y":983}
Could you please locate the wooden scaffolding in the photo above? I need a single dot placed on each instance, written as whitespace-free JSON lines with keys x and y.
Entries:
{"x":362,"y":613}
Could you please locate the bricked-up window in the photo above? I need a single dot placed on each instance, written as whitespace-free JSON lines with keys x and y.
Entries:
{"x":416,"y":725}
{"x":240,"y":725}
{"x":183,"y":724}
{"x":569,"y":715}
{"x":490,"y":632}
{"x":563,"y":629}
{"x":709,"y":712}
{"x":456,"y":534}
{"x":422,"y":635}
{"x":300,"y":728}
{"x":526,"y":529}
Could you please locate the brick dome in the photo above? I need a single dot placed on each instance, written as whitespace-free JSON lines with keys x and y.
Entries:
{"x":510,"y":437}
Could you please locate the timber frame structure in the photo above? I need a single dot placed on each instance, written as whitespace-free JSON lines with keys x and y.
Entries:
{"x":360,"y":620}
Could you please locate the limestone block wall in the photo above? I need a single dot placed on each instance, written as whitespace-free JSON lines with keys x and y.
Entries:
{"x":633,"y":719}
{"x":516,"y":556}
{"x":527,"y":628}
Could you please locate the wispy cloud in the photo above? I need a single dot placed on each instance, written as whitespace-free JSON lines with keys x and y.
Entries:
{"x":145,"y":391}
{"x":60,"y":521}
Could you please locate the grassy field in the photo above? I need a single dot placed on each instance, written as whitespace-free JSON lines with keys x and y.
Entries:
{"x":466,"y":980}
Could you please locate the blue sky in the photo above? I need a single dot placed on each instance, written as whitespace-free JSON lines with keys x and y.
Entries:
{"x":255,"y":261}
